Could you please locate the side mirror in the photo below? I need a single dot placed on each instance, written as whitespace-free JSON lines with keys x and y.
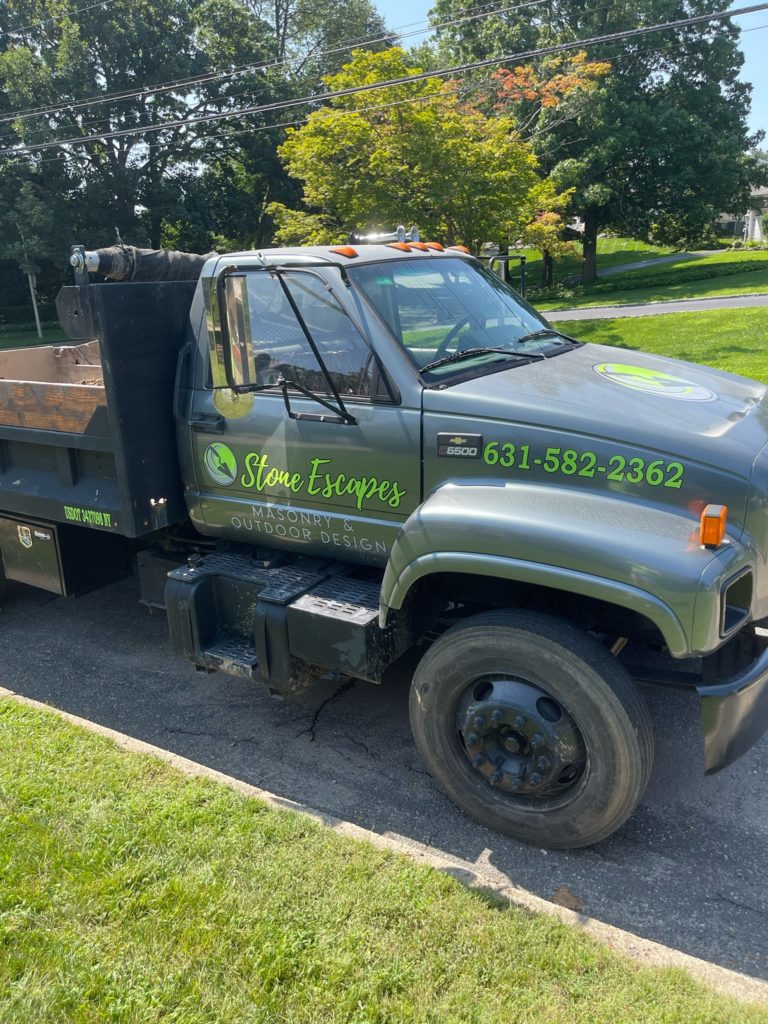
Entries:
{"x":239,"y":359}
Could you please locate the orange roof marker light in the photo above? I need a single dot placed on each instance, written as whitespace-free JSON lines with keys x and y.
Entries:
{"x":420,"y":246}
{"x":713,"y":522}
{"x":436,"y":245}
{"x":345,"y":250}
{"x":461,"y":248}
{"x":402,"y":246}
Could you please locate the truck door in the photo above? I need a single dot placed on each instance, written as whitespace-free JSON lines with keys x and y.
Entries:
{"x":337,"y":478}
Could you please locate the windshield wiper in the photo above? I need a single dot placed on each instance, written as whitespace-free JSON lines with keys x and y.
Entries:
{"x":468,"y":353}
{"x":542,"y":333}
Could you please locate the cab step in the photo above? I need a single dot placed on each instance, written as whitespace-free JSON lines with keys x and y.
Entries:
{"x":281,"y":622}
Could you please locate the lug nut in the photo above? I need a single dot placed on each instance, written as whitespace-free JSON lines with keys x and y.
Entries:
{"x":533,"y":779}
{"x":496,"y":717}
{"x":519,"y":722}
{"x":515,"y":783}
{"x":496,"y":778}
{"x":479,"y":721}
{"x":537,"y":740}
{"x":543,"y":762}
{"x":478,"y":759}
{"x":472,"y":739}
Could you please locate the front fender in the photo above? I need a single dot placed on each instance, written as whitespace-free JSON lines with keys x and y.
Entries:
{"x":629,"y":553}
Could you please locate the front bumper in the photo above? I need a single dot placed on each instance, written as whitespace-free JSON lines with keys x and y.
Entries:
{"x":734,"y":714}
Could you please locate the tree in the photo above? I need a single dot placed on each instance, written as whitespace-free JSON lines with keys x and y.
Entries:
{"x":413,"y":152}
{"x":545,"y":233}
{"x":311,"y":34}
{"x":661,"y":145}
{"x":131,"y":181}
{"x":33,"y":221}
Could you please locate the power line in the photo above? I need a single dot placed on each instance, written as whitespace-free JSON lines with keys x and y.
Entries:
{"x":213,"y":76}
{"x":493,"y":13}
{"x":402,"y":80}
{"x":217,"y":137}
{"x":47,"y":21}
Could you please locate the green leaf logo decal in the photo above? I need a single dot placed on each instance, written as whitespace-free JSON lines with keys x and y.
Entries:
{"x":220,"y":464}
{"x":654,"y":382}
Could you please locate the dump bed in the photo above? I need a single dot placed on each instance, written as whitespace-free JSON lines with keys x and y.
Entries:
{"x":87,"y":431}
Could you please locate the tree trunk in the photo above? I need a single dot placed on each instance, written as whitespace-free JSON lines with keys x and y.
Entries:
{"x":591,"y":225}
{"x":547,"y":269}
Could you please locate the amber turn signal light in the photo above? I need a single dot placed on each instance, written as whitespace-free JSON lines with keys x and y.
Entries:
{"x":713,"y":522}
{"x":461,"y":248}
{"x":345,"y":250}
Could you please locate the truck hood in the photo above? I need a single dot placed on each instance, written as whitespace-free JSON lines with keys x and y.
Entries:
{"x":664,"y":405}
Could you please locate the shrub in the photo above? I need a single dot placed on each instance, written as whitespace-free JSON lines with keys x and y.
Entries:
{"x":16,"y":315}
{"x":657,"y":279}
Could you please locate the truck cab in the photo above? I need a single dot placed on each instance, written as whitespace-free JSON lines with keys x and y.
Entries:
{"x":376,"y":459}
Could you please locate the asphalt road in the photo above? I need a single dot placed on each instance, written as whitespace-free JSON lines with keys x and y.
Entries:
{"x":655,"y":308}
{"x":688,"y":870}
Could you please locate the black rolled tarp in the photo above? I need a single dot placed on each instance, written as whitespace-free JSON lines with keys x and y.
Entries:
{"x":127,"y":263}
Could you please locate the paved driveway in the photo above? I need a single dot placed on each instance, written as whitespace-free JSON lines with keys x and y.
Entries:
{"x":655,"y":308}
{"x":688,"y":870}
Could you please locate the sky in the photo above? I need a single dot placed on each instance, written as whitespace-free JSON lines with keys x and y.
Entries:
{"x":754,"y":43}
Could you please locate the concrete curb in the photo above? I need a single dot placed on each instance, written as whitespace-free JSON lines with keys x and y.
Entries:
{"x":479,"y":874}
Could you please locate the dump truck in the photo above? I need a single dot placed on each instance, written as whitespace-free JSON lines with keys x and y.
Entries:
{"x":377,"y":459}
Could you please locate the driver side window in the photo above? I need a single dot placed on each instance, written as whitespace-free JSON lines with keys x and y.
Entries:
{"x":273,"y":334}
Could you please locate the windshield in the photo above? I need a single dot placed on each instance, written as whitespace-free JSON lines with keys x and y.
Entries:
{"x":453,"y":315}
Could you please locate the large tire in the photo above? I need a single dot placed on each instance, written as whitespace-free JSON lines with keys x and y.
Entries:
{"x":532,"y":728}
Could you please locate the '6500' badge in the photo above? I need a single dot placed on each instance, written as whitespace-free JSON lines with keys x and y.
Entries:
{"x":460,"y":446}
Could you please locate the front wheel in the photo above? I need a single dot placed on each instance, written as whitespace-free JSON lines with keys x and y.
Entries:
{"x":532,"y":728}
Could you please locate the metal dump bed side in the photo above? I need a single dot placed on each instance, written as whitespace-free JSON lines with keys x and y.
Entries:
{"x":100,"y":454}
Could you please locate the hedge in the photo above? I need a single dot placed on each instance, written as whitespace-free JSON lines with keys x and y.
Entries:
{"x":638,"y":279}
{"x":18,"y":315}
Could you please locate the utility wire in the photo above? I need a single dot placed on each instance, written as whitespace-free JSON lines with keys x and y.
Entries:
{"x":393,"y":82}
{"x":47,"y":21}
{"x":213,"y":76}
{"x":223,"y":136}
{"x":350,"y":45}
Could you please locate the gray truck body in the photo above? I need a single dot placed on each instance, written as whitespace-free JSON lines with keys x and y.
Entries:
{"x":572,"y":479}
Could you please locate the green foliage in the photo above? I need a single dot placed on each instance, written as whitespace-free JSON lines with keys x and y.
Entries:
{"x":130,"y":893}
{"x":659,"y":147}
{"x":732,"y":273}
{"x":19,"y":316}
{"x":195,"y":188}
{"x":297,"y":227}
{"x":661,"y":277}
{"x":460,"y":175}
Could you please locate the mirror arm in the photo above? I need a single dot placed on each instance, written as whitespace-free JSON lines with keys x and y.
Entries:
{"x":284,"y":384}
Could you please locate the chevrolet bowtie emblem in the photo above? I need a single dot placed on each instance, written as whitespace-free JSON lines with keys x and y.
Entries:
{"x":458,"y":440}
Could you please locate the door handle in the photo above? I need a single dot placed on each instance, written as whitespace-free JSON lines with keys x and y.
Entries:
{"x":212,"y":424}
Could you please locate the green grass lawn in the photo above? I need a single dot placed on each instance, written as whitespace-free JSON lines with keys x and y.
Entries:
{"x":611,"y":252}
{"x":629,"y":285}
{"x":729,"y":339}
{"x":28,"y":336}
{"x":130,"y":893}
